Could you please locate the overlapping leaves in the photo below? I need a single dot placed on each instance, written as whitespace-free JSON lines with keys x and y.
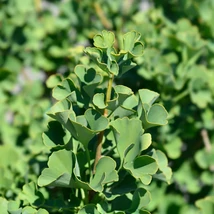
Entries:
{"x":84,"y":114}
{"x":151,"y":115}
{"x":106,"y":57}
{"x":63,"y":171}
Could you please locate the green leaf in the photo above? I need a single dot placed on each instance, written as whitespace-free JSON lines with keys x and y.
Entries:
{"x":204,"y":158}
{"x":173,"y":148}
{"x":143,"y":167}
{"x":3,"y":205}
{"x":207,"y":177}
{"x":62,"y":171}
{"x":206,"y":205}
{"x":125,"y":65}
{"x":128,"y":135}
{"x":88,"y":78}
{"x":60,"y":163}
{"x":141,"y":198}
{"x":42,"y":211}
{"x":151,"y":115}
{"x":157,"y":115}
{"x":105,"y":173}
{"x":54,"y":80}
{"x":122,"y":96}
{"x":132,"y":44}
{"x":199,"y":92}
{"x":165,"y":173}
{"x":6,"y":178}
{"x":14,"y":207}
{"x":84,"y":75}
{"x":104,"y":40}
{"x":121,"y":112}
{"x":147,"y":96}
{"x":138,"y":49}
{"x":67,"y":89}
{"x":55,"y":135}
{"x":30,"y":210}
{"x":9,"y":151}
{"x":61,"y":111}
{"x":31,"y":195}
{"x":106,"y":63}
{"x":99,"y":101}
{"x":121,"y":188}
{"x":80,"y":132}
{"x":95,"y":53}
{"x":64,"y":89}
{"x":146,"y":141}
{"x":62,"y":106}
{"x":96,"y":121}
{"x":84,"y":128}
{"x":190,"y":180}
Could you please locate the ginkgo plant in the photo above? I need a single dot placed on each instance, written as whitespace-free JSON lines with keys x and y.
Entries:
{"x":177,"y":62}
{"x":101,"y":148}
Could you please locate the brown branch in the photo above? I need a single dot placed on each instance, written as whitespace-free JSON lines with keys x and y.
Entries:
{"x":99,"y":147}
{"x":100,"y":13}
{"x":206,"y":140}
{"x":207,"y":144}
{"x":38,"y":5}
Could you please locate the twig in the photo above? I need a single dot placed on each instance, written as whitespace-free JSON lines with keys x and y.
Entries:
{"x":99,"y":11}
{"x":207,"y":144}
{"x":206,"y":140}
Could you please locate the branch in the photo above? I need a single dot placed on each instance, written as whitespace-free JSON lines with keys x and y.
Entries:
{"x":206,"y":140}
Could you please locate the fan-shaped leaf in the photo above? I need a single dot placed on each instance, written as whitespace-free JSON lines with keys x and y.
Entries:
{"x":105,"y":173}
{"x":143,"y":167}
{"x":60,"y":163}
{"x":127,"y":133}
{"x":104,"y":40}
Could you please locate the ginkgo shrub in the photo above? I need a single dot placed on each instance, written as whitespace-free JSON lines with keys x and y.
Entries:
{"x":99,"y":134}
{"x":45,"y":37}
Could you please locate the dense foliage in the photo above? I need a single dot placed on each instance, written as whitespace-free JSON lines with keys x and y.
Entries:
{"x":43,"y":49}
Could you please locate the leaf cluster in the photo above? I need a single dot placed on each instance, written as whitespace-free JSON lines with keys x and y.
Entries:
{"x":41,"y":42}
